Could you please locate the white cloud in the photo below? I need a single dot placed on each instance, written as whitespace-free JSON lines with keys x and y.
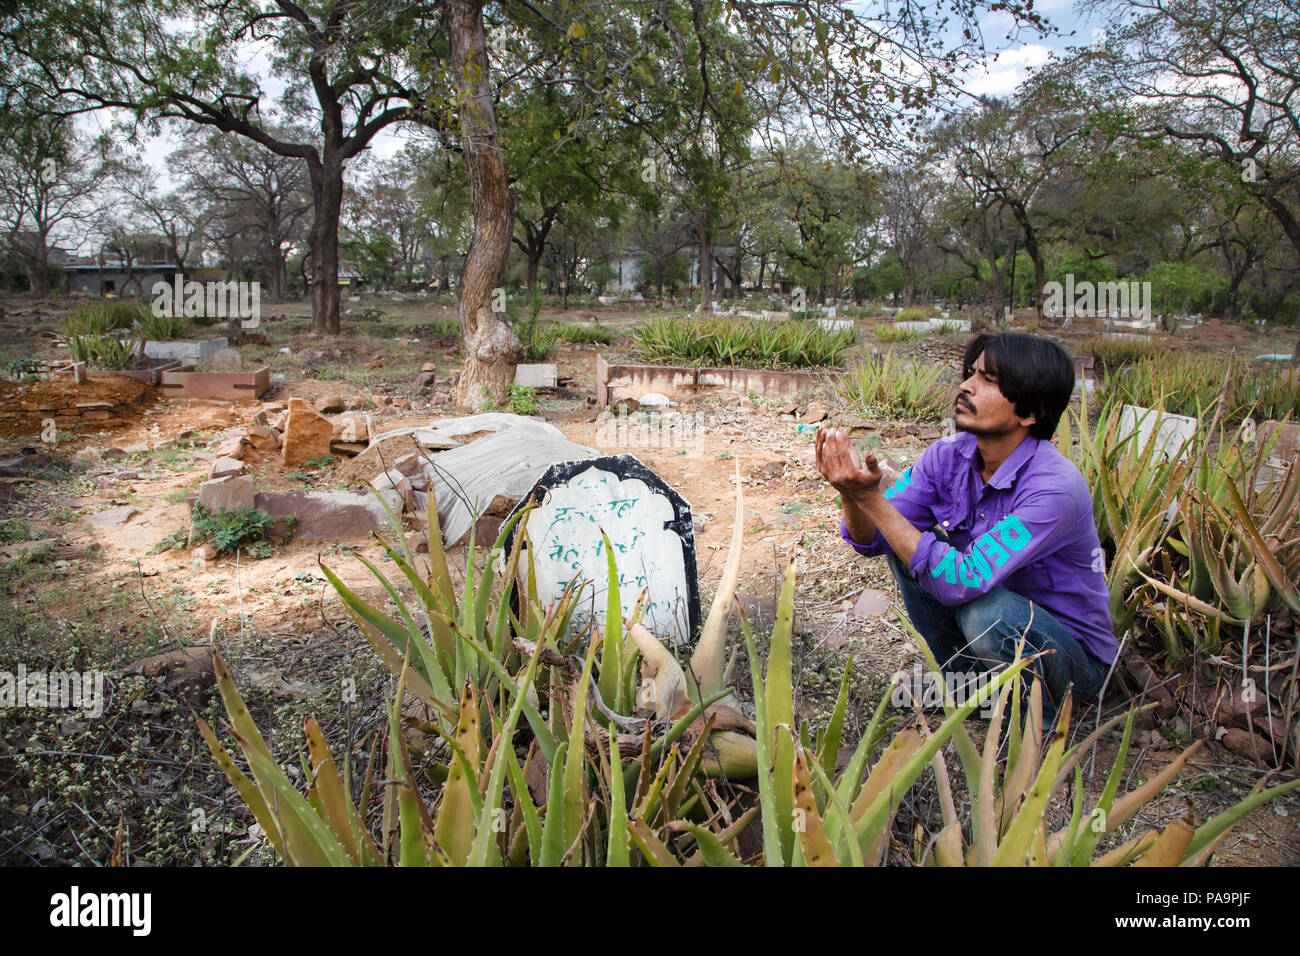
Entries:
{"x":1001,"y":74}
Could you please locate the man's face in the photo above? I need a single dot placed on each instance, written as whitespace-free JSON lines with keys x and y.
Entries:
{"x":982,"y":409}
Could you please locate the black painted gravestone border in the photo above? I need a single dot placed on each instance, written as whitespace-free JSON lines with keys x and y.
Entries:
{"x":625,"y":467}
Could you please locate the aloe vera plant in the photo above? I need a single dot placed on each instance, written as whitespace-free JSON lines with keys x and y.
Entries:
{"x":601,"y":781}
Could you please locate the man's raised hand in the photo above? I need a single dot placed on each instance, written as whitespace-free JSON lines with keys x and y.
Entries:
{"x":837,"y":460}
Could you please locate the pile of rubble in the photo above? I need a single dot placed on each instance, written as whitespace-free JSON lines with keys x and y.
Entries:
{"x":475,"y":468}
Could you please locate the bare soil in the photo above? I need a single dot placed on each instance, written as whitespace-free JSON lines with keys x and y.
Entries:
{"x":278,"y":615}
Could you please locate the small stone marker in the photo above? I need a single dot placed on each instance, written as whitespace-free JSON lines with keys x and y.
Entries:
{"x":648,"y":525}
{"x":229,"y":493}
{"x":542,"y":375}
{"x":1169,"y":432}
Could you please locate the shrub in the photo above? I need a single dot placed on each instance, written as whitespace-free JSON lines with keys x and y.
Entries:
{"x":752,"y":344}
{"x":100,"y":318}
{"x":1110,"y":354}
{"x":894,"y":387}
{"x":890,"y":334}
{"x":160,"y":328}
{"x":1191,"y":384}
{"x":573,"y":332}
{"x":230,"y":530}
{"x":104,"y":351}
{"x":912,"y":314}
{"x":523,"y":399}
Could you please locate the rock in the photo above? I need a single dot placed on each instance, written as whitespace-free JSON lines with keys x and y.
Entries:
{"x":347,"y":449}
{"x":816,"y":412}
{"x":774,"y":469}
{"x":330,"y":405}
{"x":377,"y":363}
{"x":226,"y":359}
{"x":380,"y":401}
{"x":204,"y":552}
{"x":139,"y":449}
{"x":330,"y":515}
{"x":401,"y":403}
{"x":232,"y":447}
{"x":440,"y":398}
{"x":114,"y":519}
{"x":306,"y":435}
{"x":187,"y":671}
{"x":351,"y":428}
{"x":261,"y":419}
{"x":870,"y":604}
{"x":428,"y":367}
{"x":1250,"y":745}
{"x":791,"y":409}
{"x":232,"y":492}
{"x":263,"y":437}
{"x":424,"y":380}
{"x":224,"y":467}
{"x":113,"y":453}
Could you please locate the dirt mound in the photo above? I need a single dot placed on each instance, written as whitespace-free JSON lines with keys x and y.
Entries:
{"x":100,"y":402}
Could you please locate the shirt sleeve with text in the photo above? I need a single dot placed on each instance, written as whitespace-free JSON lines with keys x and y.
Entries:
{"x":1031,"y":529}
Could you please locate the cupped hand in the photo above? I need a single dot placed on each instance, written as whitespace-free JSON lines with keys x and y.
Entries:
{"x":838,"y":462}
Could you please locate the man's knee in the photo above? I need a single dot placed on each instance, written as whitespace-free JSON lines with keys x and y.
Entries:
{"x":985,"y":625}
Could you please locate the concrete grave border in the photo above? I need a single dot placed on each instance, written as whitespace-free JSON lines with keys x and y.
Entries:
{"x":679,"y":382}
{"x":226,"y":386}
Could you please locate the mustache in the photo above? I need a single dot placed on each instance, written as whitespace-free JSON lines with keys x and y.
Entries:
{"x":958,"y":403}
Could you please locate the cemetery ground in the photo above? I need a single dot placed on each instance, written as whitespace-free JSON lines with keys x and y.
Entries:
{"x":86,"y":586}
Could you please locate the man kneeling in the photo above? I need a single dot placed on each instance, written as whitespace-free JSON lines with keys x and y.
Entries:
{"x":991,"y":531}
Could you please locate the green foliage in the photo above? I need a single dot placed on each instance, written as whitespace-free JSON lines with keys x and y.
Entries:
{"x":104,"y":316}
{"x":1184,"y":288}
{"x":890,"y":334}
{"x":12,"y":529}
{"x":177,"y":540}
{"x":231,"y":530}
{"x":104,"y":351}
{"x":1187,"y":384}
{"x":912,"y":314}
{"x":523,"y":399}
{"x":538,"y":340}
{"x":1109,"y":354}
{"x":1196,"y":542}
{"x":574,"y":332}
{"x":725,"y":342}
{"x":161,"y":328}
{"x":445,"y":330}
{"x":892,"y":386}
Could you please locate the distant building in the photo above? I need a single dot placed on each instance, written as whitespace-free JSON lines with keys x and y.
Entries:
{"x":111,"y":277}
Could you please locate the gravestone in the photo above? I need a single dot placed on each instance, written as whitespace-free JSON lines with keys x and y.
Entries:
{"x":649,"y":528}
{"x":1169,"y":432}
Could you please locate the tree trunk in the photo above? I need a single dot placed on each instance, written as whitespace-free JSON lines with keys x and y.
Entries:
{"x":327,"y":196}
{"x":706,"y":266}
{"x":491,"y":347}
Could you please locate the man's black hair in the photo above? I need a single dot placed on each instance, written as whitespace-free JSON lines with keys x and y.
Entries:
{"x":1035,"y":374}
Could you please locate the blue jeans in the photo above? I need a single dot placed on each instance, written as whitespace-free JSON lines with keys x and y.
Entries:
{"x":984,"y":633}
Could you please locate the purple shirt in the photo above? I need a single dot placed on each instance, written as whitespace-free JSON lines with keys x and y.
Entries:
{"x":1030,"y":530}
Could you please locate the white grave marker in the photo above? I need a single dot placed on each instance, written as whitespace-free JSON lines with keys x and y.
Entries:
{"x":649,"y":528}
